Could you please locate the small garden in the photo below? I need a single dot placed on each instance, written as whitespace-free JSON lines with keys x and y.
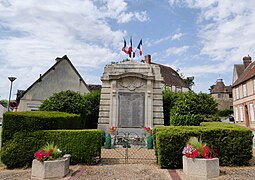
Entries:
{"x":64,"y":120}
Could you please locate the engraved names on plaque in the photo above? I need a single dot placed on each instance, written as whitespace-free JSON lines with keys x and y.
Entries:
{"x":131,"y":109}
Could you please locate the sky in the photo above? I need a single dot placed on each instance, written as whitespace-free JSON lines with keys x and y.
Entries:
{"x":200,"y":38}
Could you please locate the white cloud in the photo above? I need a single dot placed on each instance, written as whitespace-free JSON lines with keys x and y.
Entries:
{"x":39,"y":31}
{"x":176,"y":36}
{"x":226,"y":31}
{"x":226,"y":28}
{"x":175,"y":51}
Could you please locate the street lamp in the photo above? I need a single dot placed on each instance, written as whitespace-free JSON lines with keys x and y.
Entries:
{"x":11,"y":79}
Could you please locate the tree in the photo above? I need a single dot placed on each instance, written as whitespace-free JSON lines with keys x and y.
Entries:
{"x":189,"y":105}
{"x":86,"y":106}
{"x":91,"y":109}
{"x":64,"y":101}
{"x":169,"y":98}
{"x":4,"y":102}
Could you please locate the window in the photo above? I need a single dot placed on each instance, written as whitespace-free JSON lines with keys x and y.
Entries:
{"x":230,"y":96}
{"x":219,"y":96}
{"x":252,"y":118}
{"x":236,"y":114}
{"x":237,"y":93}
{"x":244,"y":90}
{"x":241,"y":113}
{"x":254,"y":86}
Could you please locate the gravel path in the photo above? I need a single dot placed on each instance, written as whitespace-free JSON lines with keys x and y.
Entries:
{"x":125,"y":171}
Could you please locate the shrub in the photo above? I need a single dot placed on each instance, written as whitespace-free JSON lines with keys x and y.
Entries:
{"x":83,"y":145}
{"x":39,"y":120}
{"x":186,"y":120}
{"x":91,"y":109}
{"x":232,"y":143}
{"x":189,"y":103}
{"x":225,"y":112}
{"x":64,"y":101}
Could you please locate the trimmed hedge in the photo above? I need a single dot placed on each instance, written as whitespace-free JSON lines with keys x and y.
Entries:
{"x":232,"y":143}
{"x":39,"y":120}
{"x":83,"y":145}
{"x":185,"y":120}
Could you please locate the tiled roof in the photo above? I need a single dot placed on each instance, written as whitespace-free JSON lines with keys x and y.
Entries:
{"x":220,"y":87}
{"x":239,"y":69}
{"x":94,"y":87}
{"x":171,"y":77}
{"x":247,"y":74}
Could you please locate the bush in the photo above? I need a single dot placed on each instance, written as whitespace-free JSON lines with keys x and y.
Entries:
{"x":232,"y":143}
{"x":169,"y":98}
{"x":189,"y":103}
{"x":38,"y":120}
{"x":186,"y":120}
{"x":64,"y":101}
{"x":225,"y":112}
{"x":91,"y":109}
{"x":83,"y":145}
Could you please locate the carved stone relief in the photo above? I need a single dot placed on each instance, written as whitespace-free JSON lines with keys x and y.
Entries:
{"x":131,"y":83}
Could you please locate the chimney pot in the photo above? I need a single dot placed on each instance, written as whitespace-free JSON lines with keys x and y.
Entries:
{"x":147,"y":59}
{"x":246,"y":61}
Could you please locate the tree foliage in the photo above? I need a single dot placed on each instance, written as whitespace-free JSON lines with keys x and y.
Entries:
{"x":91,"y":109}
{"x":183,"y":105}
{"x":73,"y":102}
{"x":64,"y":101}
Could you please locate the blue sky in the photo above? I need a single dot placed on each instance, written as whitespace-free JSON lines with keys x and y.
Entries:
{"x":203,"y":39}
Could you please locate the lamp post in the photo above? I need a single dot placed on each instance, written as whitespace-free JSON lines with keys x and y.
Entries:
{"x":11,"y":79}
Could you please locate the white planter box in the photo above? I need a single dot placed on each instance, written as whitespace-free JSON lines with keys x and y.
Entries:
{"x":50,"y":169}
{"x":198,"y":168}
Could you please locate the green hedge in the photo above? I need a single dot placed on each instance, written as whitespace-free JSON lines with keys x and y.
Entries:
{"x":83,"y":145}
{"x":40,"y":120}
{"x":185,"y":120}
{"x":232,"y":143}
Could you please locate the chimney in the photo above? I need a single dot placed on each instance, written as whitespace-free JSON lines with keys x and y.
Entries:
{"x":246,"y":61}
{"x":147,"y":59}
{"x":58,"y":59}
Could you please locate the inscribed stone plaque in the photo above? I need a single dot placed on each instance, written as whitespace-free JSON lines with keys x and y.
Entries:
{"x":131,"y":109}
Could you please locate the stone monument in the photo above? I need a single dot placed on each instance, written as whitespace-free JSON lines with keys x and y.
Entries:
{"x":131,"y":96}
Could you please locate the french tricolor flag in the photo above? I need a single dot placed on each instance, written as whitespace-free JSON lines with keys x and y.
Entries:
{"x":124,"y":49}
{"x":140,"y":47}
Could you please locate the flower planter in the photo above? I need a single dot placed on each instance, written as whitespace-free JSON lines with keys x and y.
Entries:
{"x":199,"y":168}
{"x":50,"y":169}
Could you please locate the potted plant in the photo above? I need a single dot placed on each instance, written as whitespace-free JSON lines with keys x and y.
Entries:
{"x":199,"y":161}
{"x":113,"y":130}
{"x":49,"y":162}
{"x":148,"y":131}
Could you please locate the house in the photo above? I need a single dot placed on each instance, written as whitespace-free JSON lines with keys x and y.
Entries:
{"x":60,"y":77}
{"x":2,"y":111}
{"x":172,"y":79}
{"x":222,"y":95}
{"x":243,"y":89}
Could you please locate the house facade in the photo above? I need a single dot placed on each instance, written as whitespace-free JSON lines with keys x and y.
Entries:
{"x":222,"y":94}
{"x":243,"y":89}
{"x":60,"y":77}
{"x":2,"y":111}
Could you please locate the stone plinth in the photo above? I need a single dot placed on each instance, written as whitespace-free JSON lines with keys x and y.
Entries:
{"x":50,"y":169}
{"x":131,"y":96}
{"x":198,"y":168}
